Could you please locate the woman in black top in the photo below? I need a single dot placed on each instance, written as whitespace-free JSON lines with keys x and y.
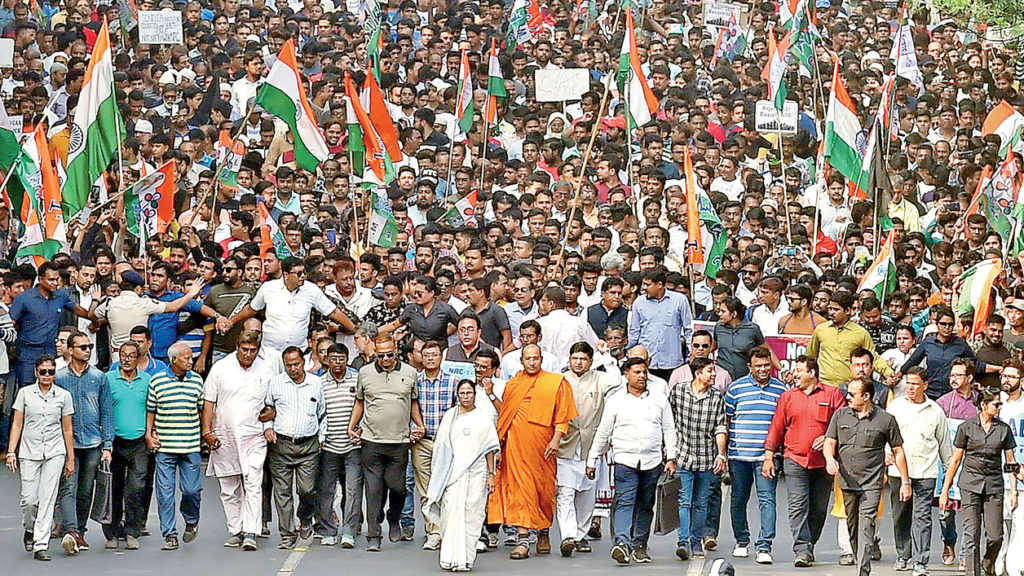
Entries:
{"x":981,"y":444}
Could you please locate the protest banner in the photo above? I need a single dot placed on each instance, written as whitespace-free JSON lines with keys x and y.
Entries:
{"x":717,"y":14}
{"x":767,"y":118}
{"x":160,"y":27}
{"x":561,"y":85}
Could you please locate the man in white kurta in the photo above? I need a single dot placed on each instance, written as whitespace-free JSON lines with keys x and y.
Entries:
{"x":234,"y":394}
{"x":576,"y":494}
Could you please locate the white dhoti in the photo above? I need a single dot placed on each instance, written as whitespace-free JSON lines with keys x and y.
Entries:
{"x":575,"y":497}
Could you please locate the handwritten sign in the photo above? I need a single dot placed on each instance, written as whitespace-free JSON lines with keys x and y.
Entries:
{"x":17,"y":123}
{"x":787,"y":348}
{"x":160,"y":27}
{"x":768,"y":119}
{"x":561,"y":85}
{"x":717,"y":14}
{"x":459,"y":370}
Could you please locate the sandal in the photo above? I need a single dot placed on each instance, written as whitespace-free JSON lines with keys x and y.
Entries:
{"x":522,"y":550}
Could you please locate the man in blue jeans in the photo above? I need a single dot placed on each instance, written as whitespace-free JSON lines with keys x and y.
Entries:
{"x":637,"y":422}
{"x":701,"y":434}
{"x":173,"y":430}
{"x":749,"y":405}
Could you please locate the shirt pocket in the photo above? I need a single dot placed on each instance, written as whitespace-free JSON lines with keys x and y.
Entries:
{"x":821,"y":412}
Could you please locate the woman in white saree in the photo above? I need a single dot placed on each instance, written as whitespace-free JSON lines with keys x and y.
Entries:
{"x":462,"y":477}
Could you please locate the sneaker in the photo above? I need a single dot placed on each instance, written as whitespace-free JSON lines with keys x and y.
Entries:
{"x":583,"y":546}
{"x":683,"y":552}
{"x":170,"y":543}
{"x":249,"y":543}
{"x":348,"y":542}
{"x":111,"y":544}
{"x":740,"y":551}
{"x":595,"y":529}
{"x":286,"y":544}
{"x":846,"y":560}
{"x":481,"y":546}
{"x":433,"y":542}
{"x":640,"y":555}
{"x":131,"y":543}
{"x":373,"y":544}
{"x":710,"y":542}
{"x":82,"y":544}
{"x":567,"y":547}
{"x":408,"y":533}
{"x":511,"y":539}
{"x":620,"y":553}
{"x":191,"y":530}
{"x":305,"y":531}
{"x":900,"y":565}
{"x":803,"y":560}
{"x":948,"y":555}
{"x":492,"y":540}
{"x":328,"y":540}
{"x":394,"y":532}
{"x":920,"y":570}
{"x":234,"y":542}
{"x":764,"y":557}
{"x":697,"y":552}
{"x":69,"y":545}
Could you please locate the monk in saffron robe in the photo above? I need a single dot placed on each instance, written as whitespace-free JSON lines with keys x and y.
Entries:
{"x":534,"y":415}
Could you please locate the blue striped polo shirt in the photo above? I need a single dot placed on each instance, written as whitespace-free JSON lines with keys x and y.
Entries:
{"x":750,"y":408}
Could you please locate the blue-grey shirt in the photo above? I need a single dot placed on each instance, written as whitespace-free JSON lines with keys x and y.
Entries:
{"x":939,"y":358}
{"x":93,"y":422}
{"x":657,"y":326}
{"x":38,"y":317}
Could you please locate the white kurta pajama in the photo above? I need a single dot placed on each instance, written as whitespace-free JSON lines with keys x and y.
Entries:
{"x":238,"y":464}
{"x":457,"y":494}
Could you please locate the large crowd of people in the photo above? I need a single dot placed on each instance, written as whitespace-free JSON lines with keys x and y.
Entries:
{"x":475,"y":295}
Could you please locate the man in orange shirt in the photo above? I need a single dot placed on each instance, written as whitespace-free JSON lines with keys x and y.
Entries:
{"x":534,"y":414}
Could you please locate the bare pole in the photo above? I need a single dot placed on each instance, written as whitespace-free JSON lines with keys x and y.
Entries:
{"x":448,"y":178}
{"x":221,"y":164}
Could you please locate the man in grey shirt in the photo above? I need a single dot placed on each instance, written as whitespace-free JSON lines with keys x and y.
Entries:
{"x":386,"y":398}
{"x":855,"y":452}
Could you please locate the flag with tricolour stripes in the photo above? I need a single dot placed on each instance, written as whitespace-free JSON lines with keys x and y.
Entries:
{"x":975,"y":292}
{"x":880,"y":277}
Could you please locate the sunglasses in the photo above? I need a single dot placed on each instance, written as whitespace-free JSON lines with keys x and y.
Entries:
{"x":385,"y":354}
{"x":46,"y":371}
{"x":84,"y":346}
{"x":946,"y":324}
{"x":520,"y":290}
{"x":232,"y":269}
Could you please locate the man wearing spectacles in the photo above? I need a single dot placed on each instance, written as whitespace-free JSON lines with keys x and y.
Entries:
{"x":1012,"y":413}
{"x":93,"y":428}
{"x":227,"y":299}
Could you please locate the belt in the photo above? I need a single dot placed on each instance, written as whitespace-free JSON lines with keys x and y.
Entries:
{"x":296,"y":440}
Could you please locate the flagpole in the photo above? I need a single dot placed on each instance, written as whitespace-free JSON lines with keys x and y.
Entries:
{"x":634,"y":194}
{"x":448,"y":178}
{"x":782,"y":164}
{"x":221,"y":164}
{"x":483,"y":153}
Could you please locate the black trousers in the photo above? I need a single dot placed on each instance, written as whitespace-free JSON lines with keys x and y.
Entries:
{"x":383,"y":480}
{"x":982,"y":512}
{"x":128,"y":471}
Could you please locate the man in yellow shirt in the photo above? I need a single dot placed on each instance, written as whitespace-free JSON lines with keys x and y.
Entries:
{"x":832,"y":342}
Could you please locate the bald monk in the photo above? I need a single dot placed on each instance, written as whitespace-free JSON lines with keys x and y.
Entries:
{"x":534,"y":415}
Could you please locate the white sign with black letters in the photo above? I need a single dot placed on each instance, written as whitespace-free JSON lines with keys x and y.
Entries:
{"x":717,"y":14}
{"x":160,"y":27}
{"x":561,"y":85}
{"x":768,"y":119}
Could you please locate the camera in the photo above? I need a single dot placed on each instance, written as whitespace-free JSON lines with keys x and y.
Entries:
{"x":1011,"y":467}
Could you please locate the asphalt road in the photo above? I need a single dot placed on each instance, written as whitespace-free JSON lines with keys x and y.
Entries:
{"x":206,"y":555}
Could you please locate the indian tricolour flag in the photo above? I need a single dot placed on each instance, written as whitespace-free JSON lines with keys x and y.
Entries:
{"x":283,"y":94}
{"x":45,"y":230}
{"x":495,"y":85}
{"x":96,"y":130}
{"x":270,"y":234}
{"x":372,"y":100}
{"x":1005,"y":121}
{"x":382,"y":170}
{"x":841,"y":132}
{"x":641,"y":103}
{"x":975,"y":291}
{"x":774,"y":73}
{"x":464,"y":104}
{"x":880,"y":277}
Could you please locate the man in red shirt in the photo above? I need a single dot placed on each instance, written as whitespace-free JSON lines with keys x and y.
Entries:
{"x":798,"y":431}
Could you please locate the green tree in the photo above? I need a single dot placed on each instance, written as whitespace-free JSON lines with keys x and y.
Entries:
{"x":997,"y":13}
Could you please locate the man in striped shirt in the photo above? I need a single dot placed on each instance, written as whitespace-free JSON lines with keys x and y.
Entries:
{"x":339,"y":458}
{"x":436,"y":390}
{"x":749,"y":405}
{"x":173,"y":408}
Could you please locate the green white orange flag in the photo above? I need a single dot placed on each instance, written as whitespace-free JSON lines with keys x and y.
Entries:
{"x":9,"y":139}
{"x":149,"y":203}
{"x":707,"y":238}
{"x":464,"y":104}
{"x":377,"y":110}
{"x":283,"y":94}
{"x":382,"y":171}
{"x":45,"y":230}
{"x":231,"y":153}
{"x":96,"y":129}
{"x":356,"y":149}
{"x":880,"y":277}
{"x":1005,"y":121}
{"x":774,"y":73}
{"x":270,"y":234}
{"x":495,"y":85}
{"x":842,"y":128}
{"x":975,"y":292}
{"x":641,"y":103}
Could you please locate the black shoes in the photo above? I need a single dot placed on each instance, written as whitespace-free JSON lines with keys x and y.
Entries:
{"x":191,"y":530}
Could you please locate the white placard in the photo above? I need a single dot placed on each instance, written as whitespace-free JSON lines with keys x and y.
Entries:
{"x":6,"y":52}
{"x":160,"y":27}
{"x":17,"y":124}
{"x":717,"y":14}
{"x":766,"y":117}
{"x":459,"y":370}
{"x":561,"y":85}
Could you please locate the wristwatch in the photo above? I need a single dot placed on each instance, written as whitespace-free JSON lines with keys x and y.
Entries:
{"x":491,"y":396}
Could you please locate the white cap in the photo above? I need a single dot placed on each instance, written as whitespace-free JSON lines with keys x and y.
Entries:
{"x":144,"y":126}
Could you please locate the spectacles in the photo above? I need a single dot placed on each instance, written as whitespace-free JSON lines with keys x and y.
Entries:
{"x":129,"y":356}
{"x":84,"y":346}
{"x":46,"y":371}
{"x":521,"y":289}
{"x":946,"y":324}
{"x":301,"y":273}
{"x":385,"y":354}
{"x":996,"y":404}
{"x":750,"y":272}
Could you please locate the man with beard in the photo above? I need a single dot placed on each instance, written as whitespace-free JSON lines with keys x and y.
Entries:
{"x":425,"y":197}
{"x":345,"y":292}
{"x":424,"y":258}
{"x":992,"y":350}
{"x":881,"y":329}
{"x":1013,"y":414}
{"x":801,"y":319}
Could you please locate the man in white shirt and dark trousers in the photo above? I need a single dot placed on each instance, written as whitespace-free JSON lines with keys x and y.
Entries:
{"x":294,"y":434}
{"x":637,"y":423}
{"x":339,"y":458}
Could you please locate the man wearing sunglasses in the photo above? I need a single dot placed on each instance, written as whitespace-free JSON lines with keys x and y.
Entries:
{"x":93,"y":428}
